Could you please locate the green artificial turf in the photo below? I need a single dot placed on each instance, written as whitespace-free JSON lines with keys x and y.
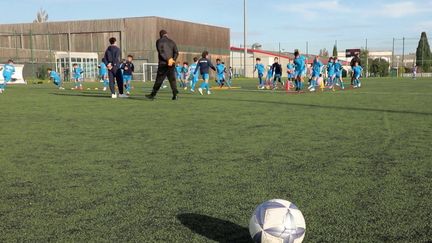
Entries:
{"x":79,"y":166}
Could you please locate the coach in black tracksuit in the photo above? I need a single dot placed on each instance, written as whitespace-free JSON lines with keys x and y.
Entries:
{"x":112,"y":60}
{"x":168,"y":53}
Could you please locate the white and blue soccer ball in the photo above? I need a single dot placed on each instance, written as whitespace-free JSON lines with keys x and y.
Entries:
{"x":277,"y":221}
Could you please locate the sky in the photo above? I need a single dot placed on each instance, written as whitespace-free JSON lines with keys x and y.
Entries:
{"x":311,"y":25}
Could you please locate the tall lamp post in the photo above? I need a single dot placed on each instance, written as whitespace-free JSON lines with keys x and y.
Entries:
{"x":245,"y":37}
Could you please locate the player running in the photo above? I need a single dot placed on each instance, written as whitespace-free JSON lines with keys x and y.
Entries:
{"x":55,"y":77}
{"x":128,"y":69}
{"x":8,"y":72}
{"x":77,"y":72}
{"x":338,"y":73}
{"x":357,"y":70}
{"x":300,"y":69}
{"x":330,"y":74}
{"x":204,"y":65}
{"x":192,"y":76}
{"x":179,"y":70}
{"x":259,"y":67}
{"x":316,"y":73}
{"x":103,"y":75}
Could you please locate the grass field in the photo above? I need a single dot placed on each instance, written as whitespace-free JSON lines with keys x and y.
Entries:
{"x":79,"y":166}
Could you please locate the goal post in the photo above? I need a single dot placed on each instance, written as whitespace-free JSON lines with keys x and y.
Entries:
{"x":149,"y":72}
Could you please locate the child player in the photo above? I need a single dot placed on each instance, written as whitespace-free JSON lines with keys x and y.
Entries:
{"x":300,"y":68}
{"x":338,"y":73}
{"x":330,"y":73}
{"x":357,"y":69}
{"x":204,"y":65}
{"x":55,"y":77}
{"x":128,"y":70}
{"x":77,"y":72}
{"x":277,"y":73}
{"x":220,"y":72}
{"x":192,"y":76}
{"x":316,"y":73}
{"x":8,"y":71}
{"x":259,"y":67}
{"x":179,"y":70}
{"x":269,"y":77}
{"x":230,"y":76}
{"x":185,"y":74}
{"x":103,"y":75}
{"x":290,"y":71}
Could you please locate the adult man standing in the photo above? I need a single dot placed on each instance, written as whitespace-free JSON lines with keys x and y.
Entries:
{"x":167,"y":54}
{"x":112,"y":61}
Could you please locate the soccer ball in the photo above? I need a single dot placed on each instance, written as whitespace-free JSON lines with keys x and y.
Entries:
{"x":277,"y":221}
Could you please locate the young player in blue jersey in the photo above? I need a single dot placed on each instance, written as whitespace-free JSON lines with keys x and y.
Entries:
{"x":357,"y":70}
{"x":103,"y":75}
{"x":290,"y":71}
{"x":259,"y":67}
{"x":128,"y":69}
{"x":185,"y":75}
{"x":192,"y":75}
{"x":178,"y":70}
{"x":220,"y":73}
{"x":77,"y":72}
{"x":316,"y":73}
{"x":204,"y":66}
{"x":338,"y":73}
{"x":277,"y":73}
{"x":230,"y":76}
{"x":269,"y":77}
{"x":8,"y":72}
{"x":330,"y":74}
{"x":55,"y":77}
{"x":300,"y":68}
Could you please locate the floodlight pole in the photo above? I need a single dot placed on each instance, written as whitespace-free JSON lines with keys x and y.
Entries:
{"x":245,"y":36}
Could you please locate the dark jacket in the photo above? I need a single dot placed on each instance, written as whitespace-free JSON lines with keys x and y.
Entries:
{"x":112,"y":55}
{"x":167,"y":49}
{"x":276,"y":68}
{"x":354,"y":60}
{"x":204,"y":66}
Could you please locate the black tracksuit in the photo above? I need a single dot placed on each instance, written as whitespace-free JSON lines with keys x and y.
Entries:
{"x":112,"y":55}
{"x":167,"y":49}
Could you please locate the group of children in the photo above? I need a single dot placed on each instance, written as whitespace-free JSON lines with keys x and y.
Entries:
{"x":77,"y":77}
{"x":297,"y":71}
{"x":188,"y":75}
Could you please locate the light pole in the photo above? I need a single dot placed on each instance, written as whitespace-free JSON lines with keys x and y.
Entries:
{"x":245,"y":36}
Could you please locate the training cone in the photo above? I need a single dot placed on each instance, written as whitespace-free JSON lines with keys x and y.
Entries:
{"x":287,"y":86}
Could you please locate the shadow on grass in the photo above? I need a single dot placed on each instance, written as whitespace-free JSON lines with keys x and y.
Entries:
{"x":215,"y":229}
{"x":225,"y":99}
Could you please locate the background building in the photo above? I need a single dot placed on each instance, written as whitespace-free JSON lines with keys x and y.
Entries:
{"x":41,"y":45}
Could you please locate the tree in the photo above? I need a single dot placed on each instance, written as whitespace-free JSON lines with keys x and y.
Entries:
{"x":379,"y":67}
{"x":335,"y":51}
{"x":41,"y":16}
{"x":423,"y":54}
{"x":324,"y":53}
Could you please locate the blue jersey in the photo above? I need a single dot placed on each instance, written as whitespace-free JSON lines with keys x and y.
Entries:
{"x":330,"y":69}
{"x":55,"y":77}
{"x":357,"y":71}
{"x":338,"y":67}
{"x":220,"y":69}
{"x":260,"y":68}
{"x":300,"y":63}
{"x":77,"y":72}
{"x":192,"y":68}
{"x":270,"y":73}
{"x":290,"y":66}
{"x":8,"y":70}
{"x":103,"y":70}
{"x":204,"y":66}
{"x":179,"y":70}
{"x":317,"y":65}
